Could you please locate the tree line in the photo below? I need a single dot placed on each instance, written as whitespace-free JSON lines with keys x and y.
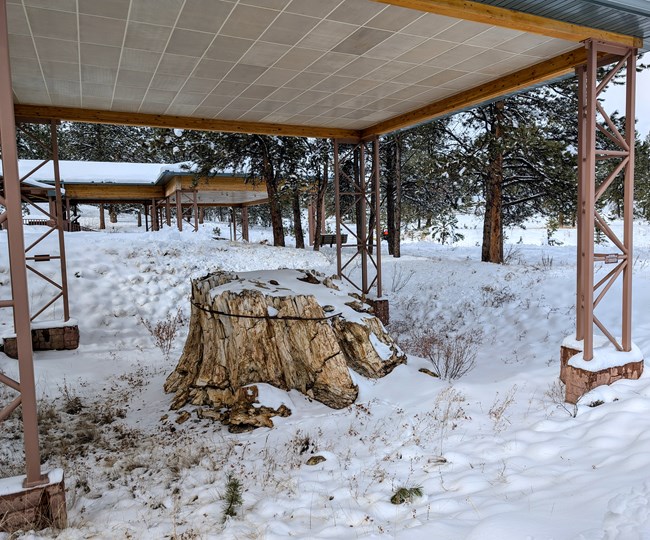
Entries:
{"x":507,"y":161}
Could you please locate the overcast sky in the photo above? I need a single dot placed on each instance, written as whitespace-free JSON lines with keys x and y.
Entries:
{"x":615,"y":99}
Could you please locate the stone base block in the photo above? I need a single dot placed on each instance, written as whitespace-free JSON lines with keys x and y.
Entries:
{"x":47,"y":339}
{"x":580,"y":381}
{"x":381,"y":309}
{"x":24,"y":509}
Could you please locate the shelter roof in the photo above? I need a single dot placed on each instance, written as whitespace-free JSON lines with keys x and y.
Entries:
{"x":94,"y":171}
{"x":100,"y":181}
{"x":343,"y":68}
{"x":105,"y":172}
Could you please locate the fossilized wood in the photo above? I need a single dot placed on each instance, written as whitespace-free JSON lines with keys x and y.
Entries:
{"x":262,"y":335}
{"x":362,"y":357}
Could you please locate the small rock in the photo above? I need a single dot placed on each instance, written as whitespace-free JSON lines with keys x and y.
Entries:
{"x":328,"y":309}
{"x":164,"y":417}
{"x":310,"y":278}
{"x":428,"y":372}
{"x":315,"y":460}
{"x":184,"y":416}
{"x":273,"y":282}
{"x":209,"y":414}
{"x":330,"y":284}
{"x":358,"y":306}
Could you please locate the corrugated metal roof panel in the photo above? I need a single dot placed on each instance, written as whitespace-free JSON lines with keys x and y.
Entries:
{"x":631,"y":17}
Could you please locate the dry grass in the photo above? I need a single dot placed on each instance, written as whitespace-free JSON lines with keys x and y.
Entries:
{"x":164,"y":332}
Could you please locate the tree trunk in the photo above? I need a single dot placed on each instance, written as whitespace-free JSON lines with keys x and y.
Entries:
{"x":492,"y":249}
{"x":397,"y":214}
{"x":102,"y":220}
{"x":112,"y":213}
{"x":371,"y":222}
{"x":320,"y":204}
{"x":297,"y":219}
{"x":276,"y":212}
{"x":390,"y":193}
{"x":359,"y":215}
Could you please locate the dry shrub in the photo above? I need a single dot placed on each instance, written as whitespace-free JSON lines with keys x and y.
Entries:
{"x":452,"y":355}
{"x":164,"y":332}
{"x":495,"y":296}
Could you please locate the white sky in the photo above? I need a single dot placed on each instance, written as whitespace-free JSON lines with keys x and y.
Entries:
{"x":615,"y":97}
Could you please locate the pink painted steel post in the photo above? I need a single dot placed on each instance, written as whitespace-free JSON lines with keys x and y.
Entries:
{"x":337,"y":208}
{"x":375,"y":177}
{"x":588,"y":203}
{"x":580,"y":289}
{"x":195,"y":209}
{"x":628,"y":210}
{"x":59,"y":218}
{"x":18,"y":270}
{"x":154,"y":215}
{"x":363,"y":234}
{"x":179,"y":210}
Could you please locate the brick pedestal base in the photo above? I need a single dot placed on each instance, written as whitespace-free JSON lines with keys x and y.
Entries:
{"x":34,"y":508}
{"x":381,"y":309}
{"x":580,"y":381}
{"x":47,"y":339}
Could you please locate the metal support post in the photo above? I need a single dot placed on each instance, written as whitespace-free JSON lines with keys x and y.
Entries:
{"x":195,"y":209}
{"x":179,"y":210}
{"x":628,"y":205}
{"x":582,"y":119}
{"x":19,"y":301}
{"x":356,"y":192}
{"x":102,"y":217}
{"x":604,"y":154}
{"x":59,"y":216}
{"x":154,"y":215}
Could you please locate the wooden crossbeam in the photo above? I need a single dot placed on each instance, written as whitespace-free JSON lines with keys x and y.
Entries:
{"x":97,"y":116}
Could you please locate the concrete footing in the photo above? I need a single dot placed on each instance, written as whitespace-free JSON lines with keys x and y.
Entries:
{"x":46,"y":337}
{"x":35,"y":508}
{"x":580,"y":376}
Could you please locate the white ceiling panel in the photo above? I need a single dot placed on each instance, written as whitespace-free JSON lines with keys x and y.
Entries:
{"x":343,"y":63}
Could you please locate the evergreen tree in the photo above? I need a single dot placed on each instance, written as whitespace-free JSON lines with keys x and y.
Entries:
{"x":520,"y":151}
{"x":642,"y":178}
{"x":104,"y":142}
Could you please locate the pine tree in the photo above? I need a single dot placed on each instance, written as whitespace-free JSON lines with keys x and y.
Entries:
{"x":520,"y":152}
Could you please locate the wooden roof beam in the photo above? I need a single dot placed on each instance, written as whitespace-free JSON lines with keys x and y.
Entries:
{"x":97,"y":116}
{"x":519,"y":80}
{"x":516,"y":20}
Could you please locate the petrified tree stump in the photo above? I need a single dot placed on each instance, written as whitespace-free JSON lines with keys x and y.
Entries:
{"x":290,"y":329}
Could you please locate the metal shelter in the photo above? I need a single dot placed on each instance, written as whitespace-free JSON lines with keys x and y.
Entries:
{"x":349,"y":70}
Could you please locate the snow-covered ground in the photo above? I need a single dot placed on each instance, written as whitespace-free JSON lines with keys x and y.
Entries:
{"x":496,"y":453}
